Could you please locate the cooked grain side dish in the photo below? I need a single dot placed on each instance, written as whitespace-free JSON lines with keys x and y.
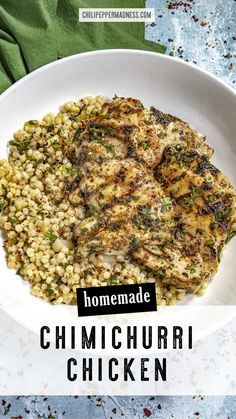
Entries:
{"x":108,"y":193}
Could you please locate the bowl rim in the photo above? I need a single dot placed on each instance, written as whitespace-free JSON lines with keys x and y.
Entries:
{"x":117,"y":51}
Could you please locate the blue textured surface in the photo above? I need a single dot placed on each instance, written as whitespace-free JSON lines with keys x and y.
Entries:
{"x":199,"y":31}
{"x":204,"y":32}
{"x":108,"y":407}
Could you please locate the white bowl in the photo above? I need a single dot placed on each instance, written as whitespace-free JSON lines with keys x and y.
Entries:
{"x":169,"y":84}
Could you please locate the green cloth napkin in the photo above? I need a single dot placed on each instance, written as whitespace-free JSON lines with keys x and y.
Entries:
{"x":36,"y":32}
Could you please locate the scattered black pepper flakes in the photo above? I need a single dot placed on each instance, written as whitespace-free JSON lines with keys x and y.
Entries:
{"x":194,"y":18}
{"x":114,"y":410}
{"x":159,"y":406}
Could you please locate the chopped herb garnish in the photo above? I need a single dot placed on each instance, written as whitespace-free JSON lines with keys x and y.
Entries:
{"x":110,"y":148}
{"x":92,"y":210}
{"x":71,"y":170}
{"x":230,"y":236}
{"x":38,"y":162}
{"x":177,"y":159}
{"x":108,"y":129}
{"x":192,"y":268}
{"x":143,"y":217}
{"x":50,"y":169}
{"x":144,"y":210}
{"x":60,"y":282}
{"x":196,"y":191}
{"x":4,"y":188}
{"x":187,"y":202}
{"x":166,"y":201}
{"x":209,"y":243}
{"x":145,"y":145}
{"x":33,"y":122}
{"x":134,"y":197}
{"x":50,"y":292}
{"x":22,"y":145}
{"x":56,"y":145}
{"x":167,"y":243}
{"x":49,"y":128}
{"x":221,"y":212}
{"x":93,"y":246}
{"x":113,"y":280}
{"x":83,"y":230}
{"x":188,"y":199}
{"x":68,"y":170}
{"x":134,"y":243}
{"x":51,"y":236}
{"x":35,"y":219}
{"x":97,"y":133}
{"x":13,"y":220}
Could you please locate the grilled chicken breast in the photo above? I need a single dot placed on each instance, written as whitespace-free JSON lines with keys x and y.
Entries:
{"x":147,"y":186}
{"x":205,"y":210}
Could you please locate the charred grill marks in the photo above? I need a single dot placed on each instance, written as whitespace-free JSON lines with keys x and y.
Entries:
{"x":149,"y":191}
